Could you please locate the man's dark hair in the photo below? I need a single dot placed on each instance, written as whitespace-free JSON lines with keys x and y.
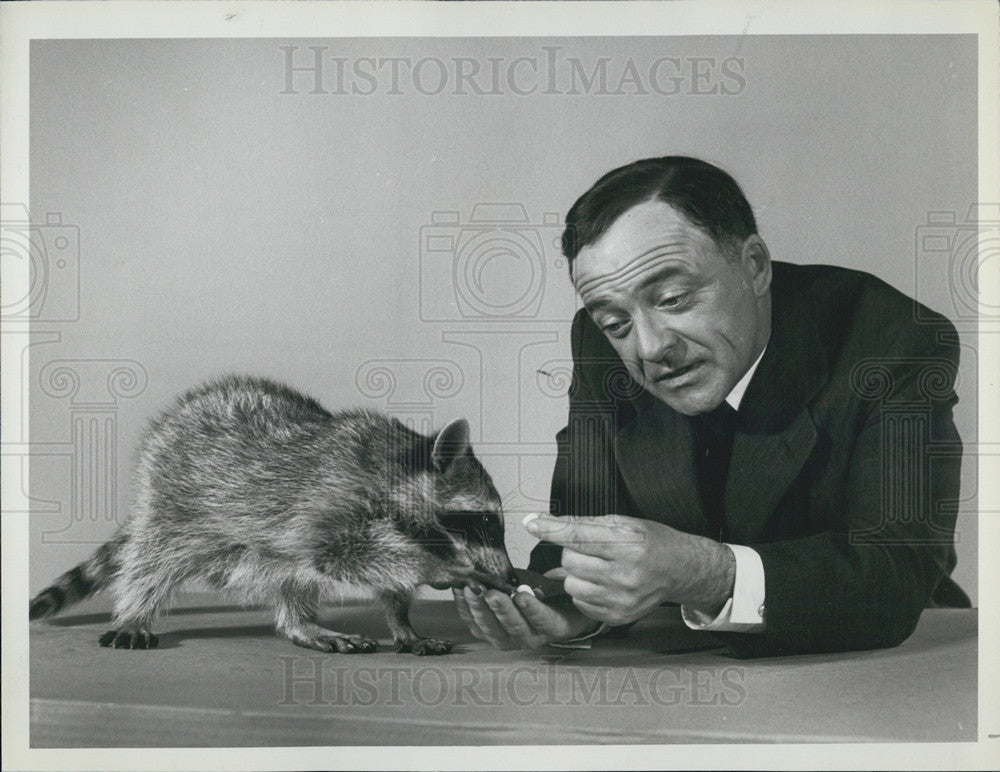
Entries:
{"x":708,"y":197}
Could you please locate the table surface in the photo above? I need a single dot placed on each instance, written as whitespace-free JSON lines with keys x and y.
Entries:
{"x":222,"y":678}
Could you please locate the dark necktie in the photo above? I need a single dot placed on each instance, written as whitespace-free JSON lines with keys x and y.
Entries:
{"x":714,"y":432}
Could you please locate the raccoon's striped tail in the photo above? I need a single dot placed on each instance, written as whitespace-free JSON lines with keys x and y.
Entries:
{"x":80,"y":582}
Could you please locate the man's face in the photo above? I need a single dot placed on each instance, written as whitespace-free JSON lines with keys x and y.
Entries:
{"x":686,"y":318}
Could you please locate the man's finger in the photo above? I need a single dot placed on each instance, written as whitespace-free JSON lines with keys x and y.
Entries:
{"x":466,"y":614}
{"x":596,"y":536}
{"x":543,"y":619}
{"x":509,"y":616}
{"x":585,"y":566}
{"x":582,"y":589}
{"x":485,"y":619}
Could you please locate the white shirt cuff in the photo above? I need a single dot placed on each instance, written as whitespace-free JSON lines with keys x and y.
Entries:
{"x":744,"y":612}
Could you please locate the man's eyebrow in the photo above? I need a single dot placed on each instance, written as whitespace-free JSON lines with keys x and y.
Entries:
{"x":597,"y":304}
{"x":638,"y":265}
{"x":661,"y":273}
{"x":669,"y":271}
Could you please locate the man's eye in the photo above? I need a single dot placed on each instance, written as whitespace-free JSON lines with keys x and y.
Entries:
{"x":615,"y":329}
{"x":672,"y":301}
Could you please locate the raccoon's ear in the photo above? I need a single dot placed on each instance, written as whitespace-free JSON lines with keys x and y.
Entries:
{"x":451,"y":443}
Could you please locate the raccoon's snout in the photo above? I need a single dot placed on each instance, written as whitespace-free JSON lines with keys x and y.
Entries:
{"x":491,"y":581}
{"x":479,"y":552}
{"x":502,"y":578}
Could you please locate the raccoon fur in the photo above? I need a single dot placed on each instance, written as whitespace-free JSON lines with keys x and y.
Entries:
{"x":260,"y":491}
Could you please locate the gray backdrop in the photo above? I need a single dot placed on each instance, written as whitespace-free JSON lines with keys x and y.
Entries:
{"x":373,"y":221}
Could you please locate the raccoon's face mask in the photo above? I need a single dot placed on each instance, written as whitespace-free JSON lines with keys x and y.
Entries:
{"x":485,"y":528}
{"x":477,"y":550}
{"x":469,"y":511}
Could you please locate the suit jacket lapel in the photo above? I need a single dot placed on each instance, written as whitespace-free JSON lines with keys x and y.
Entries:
{"x":761,"y":469}
{"x":655,"y":455}
{"x":775,"y":432}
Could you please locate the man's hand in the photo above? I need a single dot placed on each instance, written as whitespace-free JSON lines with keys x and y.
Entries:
{"x":618,"y":569}
{"x":521,"y":622}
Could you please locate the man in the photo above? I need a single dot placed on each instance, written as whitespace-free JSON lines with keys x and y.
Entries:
{"x":780,"y":459}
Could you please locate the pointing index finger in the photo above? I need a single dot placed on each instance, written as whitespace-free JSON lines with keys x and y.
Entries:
{"x":602,"y":537}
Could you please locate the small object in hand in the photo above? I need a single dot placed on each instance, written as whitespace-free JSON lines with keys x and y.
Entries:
{"x":542,"y":586}
{"x":523,"y":588}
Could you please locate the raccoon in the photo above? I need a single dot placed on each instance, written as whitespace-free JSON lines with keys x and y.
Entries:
{"x":260,"y":491}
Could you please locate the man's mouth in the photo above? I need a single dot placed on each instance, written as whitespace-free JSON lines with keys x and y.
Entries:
{"x":673,"y":375}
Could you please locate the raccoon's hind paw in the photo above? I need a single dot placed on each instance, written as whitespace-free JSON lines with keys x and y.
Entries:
{"x":424,"y":646}
{"x":336,"y":642}
{"x":128,"y":639}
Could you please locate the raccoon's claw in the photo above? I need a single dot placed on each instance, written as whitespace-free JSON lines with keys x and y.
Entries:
{"x":343,"y":644}
{"x":126,"y":639}
{"x":361,"y":644}
{"x":424,"y":646}
{"x":430,"y":646}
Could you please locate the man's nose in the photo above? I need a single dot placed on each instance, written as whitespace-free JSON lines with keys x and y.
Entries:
{"x":653,"y":339}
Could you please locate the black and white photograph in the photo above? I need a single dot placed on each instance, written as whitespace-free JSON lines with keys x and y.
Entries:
{"x":516,"y":385}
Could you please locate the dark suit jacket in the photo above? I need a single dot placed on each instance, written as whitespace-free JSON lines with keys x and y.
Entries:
{"x":845,"y":467}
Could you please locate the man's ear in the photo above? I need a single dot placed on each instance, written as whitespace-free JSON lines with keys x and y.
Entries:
{"x":756,"y":258}
{"x":451,"y":443}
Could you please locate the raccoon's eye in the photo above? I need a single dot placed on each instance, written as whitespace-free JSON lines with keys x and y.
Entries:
{"x":479,"y":527}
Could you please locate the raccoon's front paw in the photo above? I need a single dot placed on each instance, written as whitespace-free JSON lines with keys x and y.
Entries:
{"x":129,"y":639}
{"x":424,"y":646}
{"x":331,"y":642}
